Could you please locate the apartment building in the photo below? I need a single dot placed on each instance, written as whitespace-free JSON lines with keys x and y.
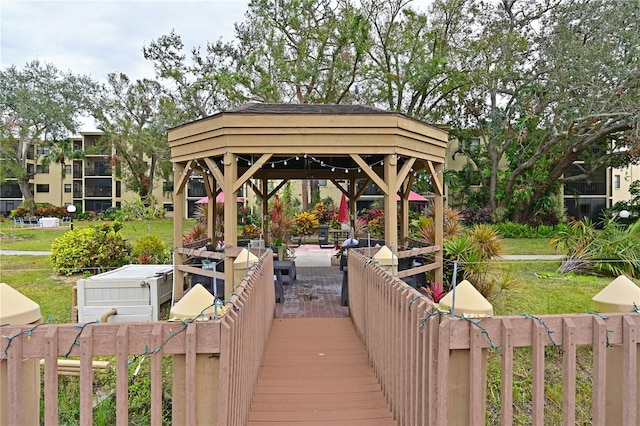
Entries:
{"x":584,"y":198}
{"x":89,"y":183}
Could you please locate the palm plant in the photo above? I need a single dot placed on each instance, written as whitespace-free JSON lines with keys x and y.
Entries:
{"x":424,"y":228}
{"x":59,"y":152}
{"x":611,"y":252}
{"x":471,"y":253}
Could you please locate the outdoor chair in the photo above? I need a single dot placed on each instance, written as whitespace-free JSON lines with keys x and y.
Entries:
{"x":323,"y":237}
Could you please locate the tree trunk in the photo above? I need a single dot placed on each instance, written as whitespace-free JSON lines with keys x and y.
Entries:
{"x":305,"y":195}
{"x":26,"y":192}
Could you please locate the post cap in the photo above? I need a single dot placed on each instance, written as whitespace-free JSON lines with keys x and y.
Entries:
{"x":241,"y":261}
{"x":469,"y":302}
{"x":16,"y":308}
{"x":619,"y":296}
{"x":193,"y":304}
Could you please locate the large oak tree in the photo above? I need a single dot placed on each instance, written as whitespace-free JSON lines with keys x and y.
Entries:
{"x":38,"y":105}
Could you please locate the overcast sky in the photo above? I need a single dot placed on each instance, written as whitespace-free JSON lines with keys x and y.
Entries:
{"x":102,"y":36}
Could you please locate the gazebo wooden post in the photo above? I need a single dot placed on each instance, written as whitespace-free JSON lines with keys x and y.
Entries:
{"x":404,"y":219}
{"x":265,"y":210}
{"x":179,"y":201}
{"x":390,"y":203}
{"x":352,"y":205}
{"x":438,"y":214}
{"x":230,"y":215}
{"x":210,"y":187}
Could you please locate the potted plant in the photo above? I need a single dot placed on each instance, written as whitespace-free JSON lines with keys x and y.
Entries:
{"x":280,"y":228}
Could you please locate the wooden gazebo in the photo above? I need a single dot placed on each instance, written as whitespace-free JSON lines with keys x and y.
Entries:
{"x":258,"y":143}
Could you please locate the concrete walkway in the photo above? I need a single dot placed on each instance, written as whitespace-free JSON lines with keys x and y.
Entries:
{"x":24,"y":253}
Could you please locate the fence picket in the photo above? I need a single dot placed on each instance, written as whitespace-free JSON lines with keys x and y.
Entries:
{"x":569,"y":372}
{"x":506,"y":389}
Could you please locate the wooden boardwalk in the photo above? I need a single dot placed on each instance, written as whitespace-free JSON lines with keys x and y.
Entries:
{"x":316,"y":372}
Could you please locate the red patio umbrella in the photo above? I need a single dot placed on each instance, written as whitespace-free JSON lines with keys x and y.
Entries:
{"x":343,"y":213}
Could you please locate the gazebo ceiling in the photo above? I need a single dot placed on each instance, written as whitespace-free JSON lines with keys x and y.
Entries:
{"x":305,"y":141}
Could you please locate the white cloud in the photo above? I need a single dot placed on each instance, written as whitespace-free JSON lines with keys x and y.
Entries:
{"x":99,"y":37}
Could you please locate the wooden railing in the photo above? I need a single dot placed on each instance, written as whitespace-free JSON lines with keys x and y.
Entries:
{"x":230,"y":349}
{"x":433,"y":366}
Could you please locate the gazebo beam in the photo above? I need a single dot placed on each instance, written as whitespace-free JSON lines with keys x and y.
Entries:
{"x":371,"y":173}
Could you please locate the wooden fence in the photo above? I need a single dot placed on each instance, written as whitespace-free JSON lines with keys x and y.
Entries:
{"x":212,"y":359}
{"x":433,"y":366}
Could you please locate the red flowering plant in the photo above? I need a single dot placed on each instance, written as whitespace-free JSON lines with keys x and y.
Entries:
{"x":436,"y":291}
{"x":281,"y":225}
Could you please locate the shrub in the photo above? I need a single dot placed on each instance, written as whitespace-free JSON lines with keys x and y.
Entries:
{"x":306,"y":224}
{"x":514,"y":230}
{"x":251,"y":231}
{"x":150,"y":249}
{"x":322,"y":213}
{"x":90,"y":250}
{"x":135,"y":210}
{"x":474,"y":217}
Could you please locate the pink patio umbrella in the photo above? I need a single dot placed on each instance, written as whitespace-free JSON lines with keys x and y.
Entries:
{"x":414,"y":196}
{"x":343,"y":212}
{"x":219,"y":199}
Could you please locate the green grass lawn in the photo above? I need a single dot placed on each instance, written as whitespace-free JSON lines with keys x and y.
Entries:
{"x":528,"y":246}
{"x":40,"y":239}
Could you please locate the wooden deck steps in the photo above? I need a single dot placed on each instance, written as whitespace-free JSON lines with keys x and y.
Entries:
{"x":316,"y":372}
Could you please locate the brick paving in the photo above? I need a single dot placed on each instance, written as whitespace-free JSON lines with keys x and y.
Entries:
{"x":314,"y":294}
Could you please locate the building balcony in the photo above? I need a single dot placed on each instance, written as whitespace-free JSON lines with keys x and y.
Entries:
{"x":586,"y":188}
{"x":97,"y":171}
{"x":97,"y":192}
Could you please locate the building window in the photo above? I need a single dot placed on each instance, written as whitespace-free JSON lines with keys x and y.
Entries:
{"x":42,"y":187}
{"x":67,"y":169}
{"x":40,"y":169}
{"x":616,"y":181}
{"x":322,"y":182}
{"x":168,"y":207}
{"x":43,"y":150}
{"x":67,"y":187}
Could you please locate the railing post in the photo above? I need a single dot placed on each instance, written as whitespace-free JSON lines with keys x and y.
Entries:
{"x":16,"y":309}
{"x":195,"y":376}
{"x":619,"y":296}
{"x":467,"y":367}
{"x":241,"y":265}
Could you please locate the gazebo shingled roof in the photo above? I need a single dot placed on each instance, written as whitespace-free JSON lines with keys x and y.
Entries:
{"x":341,"y":143}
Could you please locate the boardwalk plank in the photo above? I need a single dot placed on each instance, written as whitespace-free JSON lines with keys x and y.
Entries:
{"x":316,"y":372}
